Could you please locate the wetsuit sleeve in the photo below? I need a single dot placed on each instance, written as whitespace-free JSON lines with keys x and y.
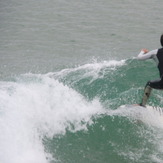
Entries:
{"x":149,"y":55}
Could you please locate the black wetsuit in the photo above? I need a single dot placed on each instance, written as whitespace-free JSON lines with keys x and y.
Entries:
{"x":157,"y":55}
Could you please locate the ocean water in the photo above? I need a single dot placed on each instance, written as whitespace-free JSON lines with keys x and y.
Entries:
{"x":68,"y":77}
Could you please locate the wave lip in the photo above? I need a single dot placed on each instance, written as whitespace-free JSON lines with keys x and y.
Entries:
{"x":95,"y":66}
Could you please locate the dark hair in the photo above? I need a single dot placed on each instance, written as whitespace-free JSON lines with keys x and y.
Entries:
{"x":161,"y":39}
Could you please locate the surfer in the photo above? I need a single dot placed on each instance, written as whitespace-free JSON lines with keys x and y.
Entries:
{"x":157,"y":56}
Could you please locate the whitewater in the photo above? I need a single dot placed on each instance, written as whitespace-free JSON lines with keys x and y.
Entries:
{"x":30,"y":111}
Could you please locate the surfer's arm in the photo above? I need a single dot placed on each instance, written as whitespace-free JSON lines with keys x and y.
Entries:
{"x":143,"y":55}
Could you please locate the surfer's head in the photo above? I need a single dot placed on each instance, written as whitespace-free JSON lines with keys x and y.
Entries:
{"x":161,"y":39}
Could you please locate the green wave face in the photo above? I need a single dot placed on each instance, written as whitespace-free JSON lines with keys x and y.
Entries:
{"x":114,"y":82}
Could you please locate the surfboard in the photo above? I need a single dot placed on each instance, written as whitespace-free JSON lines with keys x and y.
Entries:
{"x":155,"y":108}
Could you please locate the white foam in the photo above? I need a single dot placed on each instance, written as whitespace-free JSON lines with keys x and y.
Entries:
{"x":29,"y":111}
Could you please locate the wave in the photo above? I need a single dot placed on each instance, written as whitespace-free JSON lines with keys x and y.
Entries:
{"x":39,"y":111}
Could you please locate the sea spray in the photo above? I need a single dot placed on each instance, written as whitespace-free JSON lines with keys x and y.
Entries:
{"x":32,"y":110}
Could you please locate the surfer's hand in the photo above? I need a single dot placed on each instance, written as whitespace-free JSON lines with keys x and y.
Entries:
{"x":144,"y":50}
